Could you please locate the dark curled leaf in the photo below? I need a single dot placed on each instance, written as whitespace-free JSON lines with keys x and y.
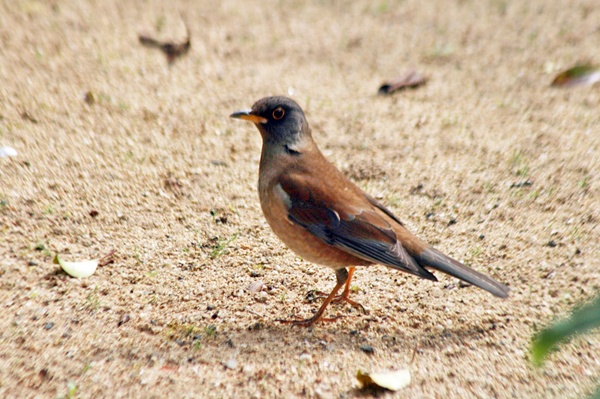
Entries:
{"x":409,"y":80}
{"x":172,"y":50}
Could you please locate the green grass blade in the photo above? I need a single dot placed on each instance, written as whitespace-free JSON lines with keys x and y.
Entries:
{"x":581,"y":320}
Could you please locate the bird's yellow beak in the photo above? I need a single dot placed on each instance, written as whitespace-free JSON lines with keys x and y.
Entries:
{"x":248,"y":116}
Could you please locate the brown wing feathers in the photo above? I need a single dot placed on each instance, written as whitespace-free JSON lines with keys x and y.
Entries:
{"x":363,"y":233}
{"x":370,"y":231}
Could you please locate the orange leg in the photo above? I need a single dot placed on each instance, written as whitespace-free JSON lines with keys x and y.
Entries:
{"x":342,"y":278}
{"x":345,"y":296}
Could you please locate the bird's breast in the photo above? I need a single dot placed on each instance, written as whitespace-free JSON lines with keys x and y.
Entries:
{"x":275,"y":203}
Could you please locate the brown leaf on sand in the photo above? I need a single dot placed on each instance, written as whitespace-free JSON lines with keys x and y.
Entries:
{"x":410,"y":80}
{"x":582,"y":74}
{"x":172,"y":50}
{"x":108,"y":258}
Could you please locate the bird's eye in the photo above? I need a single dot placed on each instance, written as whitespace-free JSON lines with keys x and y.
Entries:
{"x":278,"y":113}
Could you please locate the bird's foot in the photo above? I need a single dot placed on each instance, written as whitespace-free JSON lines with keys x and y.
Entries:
{"x":337,"y":299}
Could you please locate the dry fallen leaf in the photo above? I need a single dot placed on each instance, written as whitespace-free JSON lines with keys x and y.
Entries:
{"x":583,"y":74}
{"x":391,"y":380}
{"x":85,"y":268}
{"x":410,"y":80}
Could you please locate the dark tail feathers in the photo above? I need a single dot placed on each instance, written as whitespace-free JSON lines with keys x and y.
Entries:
{"x":433,"y":258}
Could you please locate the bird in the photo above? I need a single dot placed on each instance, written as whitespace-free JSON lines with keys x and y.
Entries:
{"x":326,"y":219}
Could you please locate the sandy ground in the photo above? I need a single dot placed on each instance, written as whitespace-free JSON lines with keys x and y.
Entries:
{"x":173,"y":182}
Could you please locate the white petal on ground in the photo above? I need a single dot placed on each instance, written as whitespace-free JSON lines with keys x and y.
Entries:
{"x":77,"y":269}
{"x":392,"y":380}
{"x":7,"y":152}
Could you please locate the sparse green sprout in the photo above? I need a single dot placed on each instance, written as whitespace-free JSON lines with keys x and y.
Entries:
{"x":92,"y":300}
{"x":475,"y":252}
{"x":71,"y":389}
{"x":152,"y":273}
{"x":523,"y":171}
{"x":221,"y":247}
{"x":283,"y":297}
{"x":394,"y":200}
{"x":210,"y":330}
{"x":197,"y":345}
{"x":516,"y":158}
{"x":43,"y":248}
{"x":160,"y":23}
{"x":519,"y":165}
{"x":442,"y":50}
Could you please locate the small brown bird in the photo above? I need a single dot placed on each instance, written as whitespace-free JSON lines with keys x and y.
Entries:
{"x":326,"y":219}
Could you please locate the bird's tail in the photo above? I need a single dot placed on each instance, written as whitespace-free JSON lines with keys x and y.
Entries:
{"x":433,"y":258}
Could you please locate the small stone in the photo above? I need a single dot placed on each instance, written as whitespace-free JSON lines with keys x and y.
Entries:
{"x":257,"y":286}
{"x":552,"y":243}
{"x":32,"y":263}
{"x":262,"y":297}
{"x":231,"y":364}
{"x":367,"y":349}
{"x":124,"y":319}
{"x":48,"y":325}
{"x":89,"y":98}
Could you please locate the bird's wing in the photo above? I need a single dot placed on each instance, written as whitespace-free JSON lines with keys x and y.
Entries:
{"x":345,"y":222}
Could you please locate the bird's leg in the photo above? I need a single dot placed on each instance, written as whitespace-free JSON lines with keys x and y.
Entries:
{"x":342,"y":276}
{"x":345,"y":296}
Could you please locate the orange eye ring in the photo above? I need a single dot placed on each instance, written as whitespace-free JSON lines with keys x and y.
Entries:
{"x":278,"y":113}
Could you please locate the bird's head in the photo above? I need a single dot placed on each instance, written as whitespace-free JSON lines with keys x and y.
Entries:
{"x":280,"y":120}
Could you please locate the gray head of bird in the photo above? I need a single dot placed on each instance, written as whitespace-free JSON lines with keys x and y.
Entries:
{"x":280,"y":121}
